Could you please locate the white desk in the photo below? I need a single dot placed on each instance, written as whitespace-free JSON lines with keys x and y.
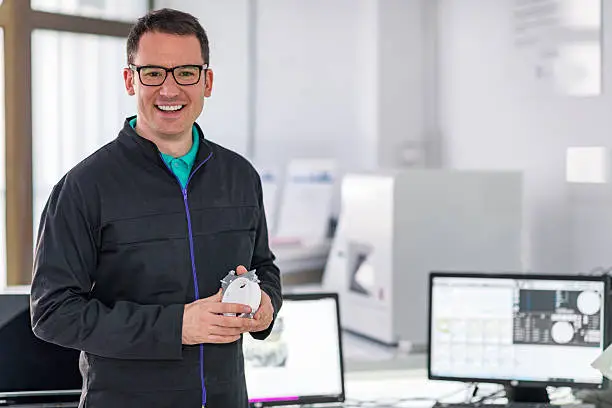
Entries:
{"x":413,"y":384}
{"x":399,"y":384}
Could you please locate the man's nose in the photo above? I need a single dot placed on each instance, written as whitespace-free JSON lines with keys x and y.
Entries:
{"x":169,"y":88}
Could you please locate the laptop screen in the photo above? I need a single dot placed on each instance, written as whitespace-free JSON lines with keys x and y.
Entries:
{"x":301,"y":361}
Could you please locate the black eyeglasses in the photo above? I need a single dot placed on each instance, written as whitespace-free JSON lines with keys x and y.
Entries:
{"x":152,"y":75}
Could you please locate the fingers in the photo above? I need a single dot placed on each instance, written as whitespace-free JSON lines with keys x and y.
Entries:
{"x":233,"y":322}
{"x":260,"y":321}
{"x":241,"y":270}
{"x":259,"y":311}
{"x":265,"y":311}
{"x":263,"y":320}
{"x":259,"y":316}
{"x":221,"y":308}
{"x":260,"y":325}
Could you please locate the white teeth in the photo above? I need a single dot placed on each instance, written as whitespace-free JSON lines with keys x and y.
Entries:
{"x":169,"y":107}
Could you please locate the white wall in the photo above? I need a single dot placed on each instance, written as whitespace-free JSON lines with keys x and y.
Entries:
{"x":494,"y":114}
{"x":336,"y":79}
{"x":225,"y":118}
{"x":288,"y":76}
{"x":341,"y":78}
{"x":309,"y":74}
{"x":312,"y":78}
{"x":400,"y":80}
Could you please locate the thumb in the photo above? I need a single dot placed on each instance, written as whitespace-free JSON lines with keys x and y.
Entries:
{"x":217,"y":297}
{"x":241,"y":270}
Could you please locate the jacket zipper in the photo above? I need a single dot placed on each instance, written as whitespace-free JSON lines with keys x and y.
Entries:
{"x":192,"y":255}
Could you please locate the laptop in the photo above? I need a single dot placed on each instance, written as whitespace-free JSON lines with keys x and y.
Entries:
{"x":301,"y":361}
{"x":33,"y":371}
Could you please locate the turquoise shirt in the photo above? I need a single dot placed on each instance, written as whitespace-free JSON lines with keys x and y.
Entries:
{"x":180,"y":166}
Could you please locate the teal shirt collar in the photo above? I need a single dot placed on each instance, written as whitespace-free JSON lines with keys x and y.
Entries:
{"x":189,"y":157}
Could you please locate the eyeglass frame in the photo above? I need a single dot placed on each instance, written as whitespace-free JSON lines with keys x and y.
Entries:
{"x":203,"y":67}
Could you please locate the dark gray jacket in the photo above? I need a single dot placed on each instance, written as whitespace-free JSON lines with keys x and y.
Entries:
{"x":122,"y":248}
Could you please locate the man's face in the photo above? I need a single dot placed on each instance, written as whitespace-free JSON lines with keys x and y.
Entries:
{"x":155,"y":103}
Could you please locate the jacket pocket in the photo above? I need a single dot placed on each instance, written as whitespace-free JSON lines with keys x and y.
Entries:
{"x":144,"y":260}
{"x":143,"y":375}
{"x":224,"y":219}
{"x":223,"y":239}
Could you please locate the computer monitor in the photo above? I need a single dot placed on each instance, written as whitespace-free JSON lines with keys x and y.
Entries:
{"x":32,"y":370}
{"x":301,"y":361}
{"x":521,"y":330}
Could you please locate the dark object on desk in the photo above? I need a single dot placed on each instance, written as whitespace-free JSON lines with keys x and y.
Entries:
{"x":33,"y":371}
{"x":601,"y":398}
{"x":510,"y":405}
{"x":522,"y":330}
{"x":49,"y":405}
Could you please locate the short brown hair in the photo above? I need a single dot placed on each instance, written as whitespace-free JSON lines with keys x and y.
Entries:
{"x":167,"y":21}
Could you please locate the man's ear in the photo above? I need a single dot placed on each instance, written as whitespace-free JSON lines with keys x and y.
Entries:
{"x":128,"y":78}
{"x":209,"y":83}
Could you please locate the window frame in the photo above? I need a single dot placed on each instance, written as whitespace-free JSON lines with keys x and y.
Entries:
{"x":19,"y":20}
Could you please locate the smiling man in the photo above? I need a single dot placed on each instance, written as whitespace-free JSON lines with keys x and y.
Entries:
{"x":134,"y":240}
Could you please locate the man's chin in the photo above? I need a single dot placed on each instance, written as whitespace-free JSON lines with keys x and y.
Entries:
{"x":173,"y":132}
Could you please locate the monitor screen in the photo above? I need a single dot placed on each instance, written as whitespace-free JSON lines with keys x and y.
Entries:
{"x":301,"y":361}
{"x":31,"y":367}
{"x":516,"y":328}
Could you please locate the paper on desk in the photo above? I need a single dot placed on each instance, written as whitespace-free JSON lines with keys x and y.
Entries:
{"x":603,"y":363}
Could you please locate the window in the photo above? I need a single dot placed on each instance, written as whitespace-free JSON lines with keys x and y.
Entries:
{"x":2,"y":170}
{"x":67,"y":68}
{"x":563,"y":42}
{"x":79,"y":103}
{"x":105,"y":9}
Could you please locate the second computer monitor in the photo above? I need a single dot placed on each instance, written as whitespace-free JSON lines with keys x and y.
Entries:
{"x":517,"y":329}
{"x":301,"y":361}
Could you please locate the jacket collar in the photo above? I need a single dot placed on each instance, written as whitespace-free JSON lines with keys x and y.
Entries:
{"x":131,"y":139}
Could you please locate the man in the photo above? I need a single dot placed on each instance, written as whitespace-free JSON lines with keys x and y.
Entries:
{"x":134,"y":241}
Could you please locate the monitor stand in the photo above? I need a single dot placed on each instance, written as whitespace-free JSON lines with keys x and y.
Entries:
{"x":526,"y":394}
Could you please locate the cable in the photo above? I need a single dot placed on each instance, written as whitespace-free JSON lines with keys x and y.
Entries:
{"x":488,"y":397}
{"x":474,"y":392}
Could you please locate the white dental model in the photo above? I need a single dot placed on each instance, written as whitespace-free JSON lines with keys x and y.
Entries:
{"x":243,"y":289}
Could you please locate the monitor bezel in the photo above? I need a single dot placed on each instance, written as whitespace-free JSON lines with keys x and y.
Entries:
{"x":313,"y":399}
{"x":513,"y":382}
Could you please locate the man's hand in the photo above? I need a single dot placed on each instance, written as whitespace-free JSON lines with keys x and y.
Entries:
{"x":203,"y":321}
{"x":265,"y":313}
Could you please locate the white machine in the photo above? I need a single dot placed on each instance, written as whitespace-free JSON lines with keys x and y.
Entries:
{"x":396,"y":227}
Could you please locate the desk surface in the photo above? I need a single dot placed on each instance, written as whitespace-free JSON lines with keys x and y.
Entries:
{"x":377,"y":388}
{"x":413,"y":384}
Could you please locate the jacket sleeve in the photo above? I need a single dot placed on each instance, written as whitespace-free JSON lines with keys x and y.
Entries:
{"x":263,"y":263}
{"x":62,"y":310}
